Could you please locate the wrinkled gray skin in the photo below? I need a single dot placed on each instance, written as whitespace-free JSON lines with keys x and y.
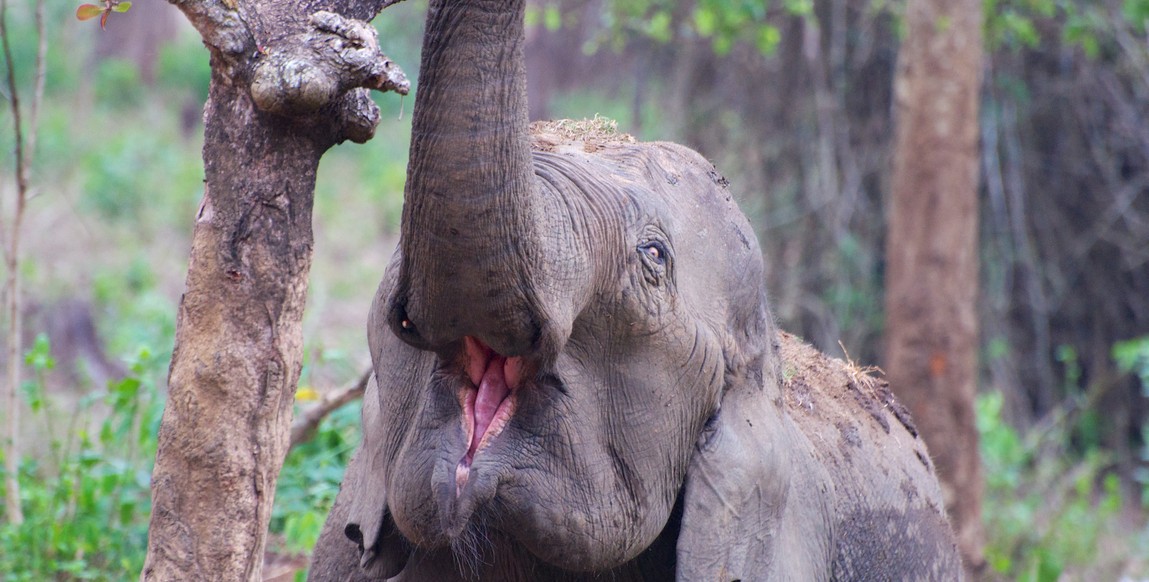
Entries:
{"x":651,"y":437}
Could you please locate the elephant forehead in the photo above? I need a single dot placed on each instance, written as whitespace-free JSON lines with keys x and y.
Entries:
{"x":663,"y":181}
{"x":627,"y":193}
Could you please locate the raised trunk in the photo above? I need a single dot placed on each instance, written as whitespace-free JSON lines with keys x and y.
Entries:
{"x":469,"y":237}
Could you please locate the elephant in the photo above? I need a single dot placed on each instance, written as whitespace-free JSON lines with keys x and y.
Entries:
{"x":577,"y":375}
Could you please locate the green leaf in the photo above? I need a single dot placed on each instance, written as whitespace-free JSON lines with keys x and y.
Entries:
{"x":722,"y":45}
{"x":88,"y":11}
{"x":126,"y":389}
{"x":800,"y":7}
{"x":1132,"y":357}
{"x":40,"y":354}
{"x":127,"y":510}
{"x":1021,"y":28}
{"x":705,"y":22}
{"x":531,"y":18}
{"x":768,"y":39}
{"x":1136,"y":12}
{"x":659,"y":26}
{"x":552,"y":18}
{"x":122,"y":7}
{"x":33,"y":395}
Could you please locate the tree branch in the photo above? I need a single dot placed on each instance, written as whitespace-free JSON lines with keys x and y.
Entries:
{"x":302,"y":75}
{"x":306,"y":425}
{"x":299,"y":75}
{"x":220,"y":25}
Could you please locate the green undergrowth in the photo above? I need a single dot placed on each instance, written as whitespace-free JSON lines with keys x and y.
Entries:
{"x":85,"y":477}
{"x":310,"y":480}
{"x":86,"y":495}
{"x":1055,"y":510}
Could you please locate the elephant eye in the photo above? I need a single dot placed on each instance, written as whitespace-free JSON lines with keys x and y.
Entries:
{"x":655,"y":251}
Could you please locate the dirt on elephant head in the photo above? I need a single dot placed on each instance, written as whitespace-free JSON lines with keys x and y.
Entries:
{"x":820,"y":389}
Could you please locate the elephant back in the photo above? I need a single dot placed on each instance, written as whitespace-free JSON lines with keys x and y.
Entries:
{"x":889,"y":516}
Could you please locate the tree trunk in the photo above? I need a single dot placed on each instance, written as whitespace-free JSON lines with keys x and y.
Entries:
{"x":274,"y":108}
{"x":932,"y":273}
{"x":25,"y":125}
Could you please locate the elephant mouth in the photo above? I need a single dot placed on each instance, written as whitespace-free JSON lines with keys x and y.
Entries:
{"x":487,"y":398}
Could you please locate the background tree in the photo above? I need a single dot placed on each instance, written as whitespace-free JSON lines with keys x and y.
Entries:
{"x":25,"y":125}
{"x":286,"y":86}
{"x":932,"y":250}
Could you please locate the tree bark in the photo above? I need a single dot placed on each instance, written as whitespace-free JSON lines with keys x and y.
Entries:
{"x":931,"y":247}
{"x":282,"y":93}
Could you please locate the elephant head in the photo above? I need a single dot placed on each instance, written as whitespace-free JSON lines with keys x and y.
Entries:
{"x":575,"y":361}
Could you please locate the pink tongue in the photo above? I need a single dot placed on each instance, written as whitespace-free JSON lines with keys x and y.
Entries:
{"x":492,"y":391}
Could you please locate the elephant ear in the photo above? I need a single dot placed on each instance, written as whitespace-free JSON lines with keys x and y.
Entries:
{"x":382,"y":551}
{"x":755,"y":505}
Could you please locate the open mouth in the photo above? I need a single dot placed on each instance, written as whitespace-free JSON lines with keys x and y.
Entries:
{"x":487,"y":397}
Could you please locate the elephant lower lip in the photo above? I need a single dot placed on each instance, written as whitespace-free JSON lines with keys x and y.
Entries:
{"x":488,"y":400}
{"x":480,"y":434}
{"x":487,"y":412}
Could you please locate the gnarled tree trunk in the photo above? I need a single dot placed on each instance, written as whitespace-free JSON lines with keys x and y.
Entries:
{"x":286,"y":86}
{"x":931,"y":247}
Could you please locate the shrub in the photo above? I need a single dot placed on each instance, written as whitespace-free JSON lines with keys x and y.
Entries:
{"x":87,"y":501}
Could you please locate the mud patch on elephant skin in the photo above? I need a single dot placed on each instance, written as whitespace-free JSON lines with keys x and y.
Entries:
{"x":879,"y":390}
{"x":718,"y":179}
{"x":910,"y":491}
{"x":849,"y":435}
{"x":899,"y":410}
{"x":848,"y":439}
{"x":924,"y":460}
{"x":798,"y":394}
{"x":869,"y":404}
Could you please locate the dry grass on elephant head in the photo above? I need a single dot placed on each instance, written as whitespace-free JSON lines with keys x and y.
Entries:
{"x":589,"y":135}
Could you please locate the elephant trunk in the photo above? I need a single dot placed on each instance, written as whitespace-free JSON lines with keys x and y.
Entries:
{"x":470,"y":241}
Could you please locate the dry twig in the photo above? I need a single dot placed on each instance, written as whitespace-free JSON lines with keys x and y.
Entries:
{"x":307,"y":423}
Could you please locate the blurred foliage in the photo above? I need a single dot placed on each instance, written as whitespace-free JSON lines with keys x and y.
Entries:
{"x":1019,"y":24}
{"x":87,"y":498}
{"x":1008,"y":23}
{"x":1132,"y":357}
{"x":133,"y":310}
{"x":310,"y":480}
{"x":1047,"y":514}
{"x":1052,"y":495}
{"x":722,"y":22}
{"x":182,"y":69}
{"x":116,"y":186}
{"x":118,"y":86}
